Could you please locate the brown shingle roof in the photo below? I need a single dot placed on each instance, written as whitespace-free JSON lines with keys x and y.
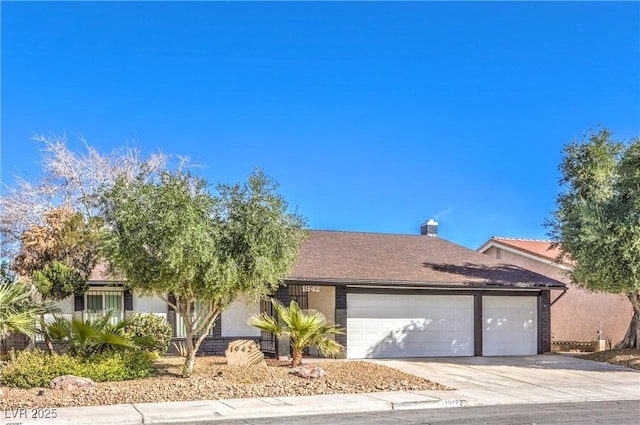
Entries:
{"x":351,"y":257}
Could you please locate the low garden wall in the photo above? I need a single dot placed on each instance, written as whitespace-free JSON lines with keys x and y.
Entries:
{"x":578,"y":346}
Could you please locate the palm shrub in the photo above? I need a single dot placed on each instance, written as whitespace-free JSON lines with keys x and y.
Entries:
{"x":304,"y":328}
{"x":85,"y":338}
{"x":19,"y":311}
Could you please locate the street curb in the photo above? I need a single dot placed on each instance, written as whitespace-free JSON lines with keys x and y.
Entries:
{"x":440,"y":404}
{"x":215,"y":410}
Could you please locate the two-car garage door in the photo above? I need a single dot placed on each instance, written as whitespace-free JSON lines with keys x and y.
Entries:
{"x":381,"y":325}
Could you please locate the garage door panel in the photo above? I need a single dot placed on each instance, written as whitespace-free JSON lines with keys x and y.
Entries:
{"x":509,"y":326}
{"x":409,"y":326}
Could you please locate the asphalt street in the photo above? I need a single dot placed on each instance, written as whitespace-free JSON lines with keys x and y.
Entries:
{"x":590,"y":413}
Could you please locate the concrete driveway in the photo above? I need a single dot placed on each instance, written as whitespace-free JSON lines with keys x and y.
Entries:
{"x":524,"y":379}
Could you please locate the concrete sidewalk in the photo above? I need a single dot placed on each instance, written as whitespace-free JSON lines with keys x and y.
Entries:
{"x":478,"y":381}
{"x":177,"y":412}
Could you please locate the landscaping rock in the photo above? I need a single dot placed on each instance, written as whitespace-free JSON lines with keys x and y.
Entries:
{"x":70,"y":383}
{"x":244,"y":352}
{"x":308,"y":371}
{"x":207,"y":383}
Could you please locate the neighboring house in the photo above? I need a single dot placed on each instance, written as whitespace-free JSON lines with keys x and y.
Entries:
{"x":577,"y":314}
{"x":396,"y":295}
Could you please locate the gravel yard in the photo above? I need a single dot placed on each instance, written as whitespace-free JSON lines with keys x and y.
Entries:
{"x":626,"y":357}
{"x":213,"y":379}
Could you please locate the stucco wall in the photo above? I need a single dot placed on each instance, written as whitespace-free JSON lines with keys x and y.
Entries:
{"x":234,"y":319}
{"x":66,"y":305}
{"x":324,"y":301}
{"x":149,"y":304}
{"x":578,"y":314}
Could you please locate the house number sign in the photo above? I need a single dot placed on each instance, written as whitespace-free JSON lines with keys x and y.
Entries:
{"x":310,"y":288}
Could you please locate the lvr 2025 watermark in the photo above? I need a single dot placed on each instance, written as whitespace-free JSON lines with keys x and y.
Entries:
{"x":31,"y":413}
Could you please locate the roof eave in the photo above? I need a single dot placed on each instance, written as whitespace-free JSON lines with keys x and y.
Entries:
{"x":416,"y":284}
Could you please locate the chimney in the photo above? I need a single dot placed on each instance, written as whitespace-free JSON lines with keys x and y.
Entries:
{"x":430,"y":228}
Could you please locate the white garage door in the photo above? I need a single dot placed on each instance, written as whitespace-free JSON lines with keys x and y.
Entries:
{"x":509,"y":326}
{"x":380,"y":326}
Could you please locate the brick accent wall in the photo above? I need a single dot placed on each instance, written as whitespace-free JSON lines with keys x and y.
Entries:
{"x":282,"y":295}
{"x":213,"y":345}
{"x":128,"y":301}
{"x":171,"y":319}
{"x":78,"y":302}
{"x":16,"y":341}
{"x":341,"y":313}
{"x":544,"y":321}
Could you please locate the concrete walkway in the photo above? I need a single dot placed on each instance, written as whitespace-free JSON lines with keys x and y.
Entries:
{"x":478,"y":381}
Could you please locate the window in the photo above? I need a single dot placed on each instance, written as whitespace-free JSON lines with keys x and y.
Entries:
{"x":180,"y":330}
{"x":98,"y":301}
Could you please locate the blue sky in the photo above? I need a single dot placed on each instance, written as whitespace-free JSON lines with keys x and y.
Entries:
{"x":373,"y":116}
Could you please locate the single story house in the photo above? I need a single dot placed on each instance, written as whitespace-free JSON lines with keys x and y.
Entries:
{"x":396,"y":296}
{"x":577,"y":314}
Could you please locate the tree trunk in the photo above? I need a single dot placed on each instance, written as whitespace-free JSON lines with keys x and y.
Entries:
{"x":49,"y":344}
{"x":296,"y":358}
{"x":632,"y":337}
{"x":187,"y":368}
{"x":45,"y":335}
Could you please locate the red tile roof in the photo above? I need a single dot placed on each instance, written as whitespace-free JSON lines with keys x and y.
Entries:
{"x":352,"y":257}
{"x":539,"y":248}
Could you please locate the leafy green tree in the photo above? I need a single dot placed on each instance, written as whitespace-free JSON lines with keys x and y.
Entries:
{"x":170,"y":236}
{"x":597,"y":220}
{"x":304,"y":328}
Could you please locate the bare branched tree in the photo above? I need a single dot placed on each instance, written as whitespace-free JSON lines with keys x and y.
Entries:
{"x":69,"y":178}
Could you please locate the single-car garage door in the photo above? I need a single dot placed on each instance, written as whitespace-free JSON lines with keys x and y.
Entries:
{"x":381,"y":325}
{"x":509,"y":326}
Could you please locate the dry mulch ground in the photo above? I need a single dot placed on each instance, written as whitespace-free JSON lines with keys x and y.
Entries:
{"x":626,"y":357}
{"x":214,"y":379}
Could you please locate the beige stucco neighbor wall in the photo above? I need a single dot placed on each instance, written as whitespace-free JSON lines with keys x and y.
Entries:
{"x":578,"y":314}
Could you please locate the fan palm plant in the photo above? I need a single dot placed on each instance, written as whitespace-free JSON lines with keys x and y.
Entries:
{"x":87,"y":337}
{"x":304,"y":328}
{"x":19,"y":311}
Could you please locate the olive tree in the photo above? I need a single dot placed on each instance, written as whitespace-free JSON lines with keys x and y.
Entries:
{"x":597,"y":220}
{"x":196,"y":250}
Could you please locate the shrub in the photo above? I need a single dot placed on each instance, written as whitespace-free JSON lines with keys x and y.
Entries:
{"x":150,"y":331}
{"x":31,"y":369}
{"x":120,"y":366}
{"x":36,"y":368}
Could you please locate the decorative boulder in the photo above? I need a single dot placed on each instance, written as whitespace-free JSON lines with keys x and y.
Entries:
{"x":308,"y":371}
{"x":243,"y":352}
{"x":70,"y":383}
